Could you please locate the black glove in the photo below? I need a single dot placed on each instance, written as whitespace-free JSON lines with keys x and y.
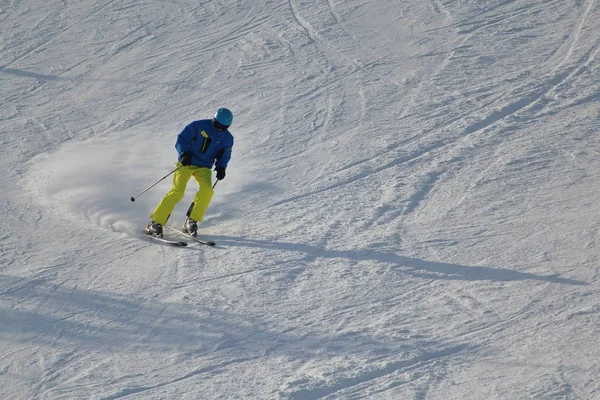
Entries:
{"x":220,"y":173}
{"x":186,"y":159}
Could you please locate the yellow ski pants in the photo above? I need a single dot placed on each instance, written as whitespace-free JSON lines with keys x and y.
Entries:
{"x":201,"y":201}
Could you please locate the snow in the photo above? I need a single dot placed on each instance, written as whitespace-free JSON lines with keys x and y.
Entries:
{"x":410,"y":211}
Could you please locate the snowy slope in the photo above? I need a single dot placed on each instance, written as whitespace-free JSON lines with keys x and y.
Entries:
{"x":410,"y":211}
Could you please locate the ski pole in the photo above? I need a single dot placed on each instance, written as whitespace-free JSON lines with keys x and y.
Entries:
{"x":154,"y":184}
{"x":215,"y":184}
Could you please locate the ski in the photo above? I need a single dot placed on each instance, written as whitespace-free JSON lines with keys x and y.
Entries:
{"x":178,"y":243}
{"x":204,"y":242}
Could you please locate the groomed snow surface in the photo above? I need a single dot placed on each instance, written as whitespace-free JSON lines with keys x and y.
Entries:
{"x":411,"y":211}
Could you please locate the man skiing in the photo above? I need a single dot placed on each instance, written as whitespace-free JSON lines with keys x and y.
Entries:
{"x":200,"y":146}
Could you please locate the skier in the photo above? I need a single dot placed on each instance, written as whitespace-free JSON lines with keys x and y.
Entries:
{"x":200,"y":146}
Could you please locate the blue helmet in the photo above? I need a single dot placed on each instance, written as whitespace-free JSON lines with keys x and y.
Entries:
{"x":224,"y":117}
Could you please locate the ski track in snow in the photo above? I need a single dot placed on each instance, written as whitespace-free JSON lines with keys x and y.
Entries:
{"x":408,"y":214}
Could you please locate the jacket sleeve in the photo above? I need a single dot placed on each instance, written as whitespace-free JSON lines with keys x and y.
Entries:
{"x":185,"y":138}
{"x":224,"y":155}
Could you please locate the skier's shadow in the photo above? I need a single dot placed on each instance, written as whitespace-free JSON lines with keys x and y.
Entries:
{"x":411,"y":266}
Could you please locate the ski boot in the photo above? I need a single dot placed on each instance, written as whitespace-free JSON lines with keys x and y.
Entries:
{"x":190,"y":227}
{"x":154,"y":229}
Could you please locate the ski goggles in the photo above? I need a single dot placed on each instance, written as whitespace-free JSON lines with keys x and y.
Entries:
{"x":220,"y":127}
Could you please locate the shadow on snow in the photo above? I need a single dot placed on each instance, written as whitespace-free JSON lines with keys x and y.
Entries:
{"x":411,"y":266}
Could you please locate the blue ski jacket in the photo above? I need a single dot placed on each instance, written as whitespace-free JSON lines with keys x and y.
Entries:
{"x":207,"y":145}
